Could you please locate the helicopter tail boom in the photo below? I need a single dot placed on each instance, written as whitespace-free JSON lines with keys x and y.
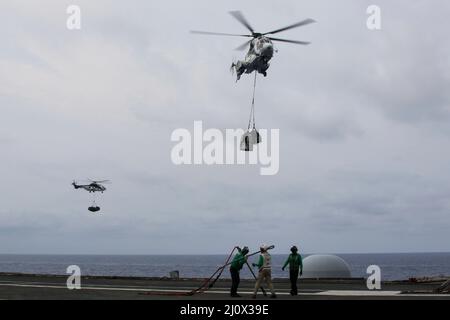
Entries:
{"x":75,"y":185}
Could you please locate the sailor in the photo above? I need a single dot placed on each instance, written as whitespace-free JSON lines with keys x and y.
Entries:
{"x":295,"y":266}
{"x":265,"y":271}
{"x":236,"y":265}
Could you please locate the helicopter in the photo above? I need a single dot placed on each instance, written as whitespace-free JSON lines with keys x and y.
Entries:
{"x":261,"y":48}
{"x":93,"y":186}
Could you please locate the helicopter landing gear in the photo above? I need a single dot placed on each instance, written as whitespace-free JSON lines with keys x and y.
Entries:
{"x":239,"y":67}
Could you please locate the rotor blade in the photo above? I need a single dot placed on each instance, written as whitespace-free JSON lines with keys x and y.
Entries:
{"x":103,"y":181}
{"x":295,"y":25}
{"x":220,"y":34}
{"x":240,"y":17}
{"x":290,"y":41}
{"x":243,"y":46}
{"x":100,"y":181}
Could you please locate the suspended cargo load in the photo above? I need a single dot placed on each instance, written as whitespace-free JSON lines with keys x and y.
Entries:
{"x":251,"y":136}
{"x":255,"y":137}
{"x":246,"y":142}
{"x":249,"y":139}
{"x":92,"y":187}
{"x":94,"y":209}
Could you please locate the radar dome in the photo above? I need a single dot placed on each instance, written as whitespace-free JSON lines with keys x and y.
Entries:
{"x":325,"y":266}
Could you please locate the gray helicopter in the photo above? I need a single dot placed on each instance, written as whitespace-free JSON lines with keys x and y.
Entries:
{"x":261,"y":46}
{"x":93,"y":186}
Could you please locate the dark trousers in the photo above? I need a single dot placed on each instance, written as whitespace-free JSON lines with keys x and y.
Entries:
{"x":235,"y":279}
{"x":293,"y":276}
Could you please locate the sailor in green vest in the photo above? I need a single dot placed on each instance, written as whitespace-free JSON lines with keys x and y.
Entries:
{"x":295,"y":266}
{"x":236,"y":265}
{"x":265,"y":271}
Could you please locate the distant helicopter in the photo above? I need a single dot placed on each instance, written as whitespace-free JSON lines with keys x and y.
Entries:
{"x":261,"y":47}
{"x":92,"y":187}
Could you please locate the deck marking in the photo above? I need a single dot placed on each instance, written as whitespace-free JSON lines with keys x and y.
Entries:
{"x":349,"y":293}
{"x":361,"y":293}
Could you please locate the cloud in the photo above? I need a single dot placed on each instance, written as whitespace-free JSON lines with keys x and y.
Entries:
{"x":362,"y":117}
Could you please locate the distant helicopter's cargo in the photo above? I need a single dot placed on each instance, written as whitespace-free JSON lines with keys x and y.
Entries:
{"x":94,"y":209}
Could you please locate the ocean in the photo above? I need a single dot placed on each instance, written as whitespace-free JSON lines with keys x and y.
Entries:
{"x":394,"y":266}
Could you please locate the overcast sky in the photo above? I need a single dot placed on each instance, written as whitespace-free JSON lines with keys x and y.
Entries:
{"x":363,"y":118}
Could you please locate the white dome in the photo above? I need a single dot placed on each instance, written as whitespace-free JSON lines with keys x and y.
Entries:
{"x":325,"y":266}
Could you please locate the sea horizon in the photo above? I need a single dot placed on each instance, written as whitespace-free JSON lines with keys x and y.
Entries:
{"x":216,"y":254}
{"x":394,"y":266}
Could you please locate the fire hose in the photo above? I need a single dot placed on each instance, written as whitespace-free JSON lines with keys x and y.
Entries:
{"x":209,"y":283}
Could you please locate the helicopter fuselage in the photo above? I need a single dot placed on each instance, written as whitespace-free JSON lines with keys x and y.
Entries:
{"x":93,"y":187}
{"x":257,"y":58}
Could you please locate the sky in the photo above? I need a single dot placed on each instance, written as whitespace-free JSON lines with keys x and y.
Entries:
{"x":363,"y":118}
